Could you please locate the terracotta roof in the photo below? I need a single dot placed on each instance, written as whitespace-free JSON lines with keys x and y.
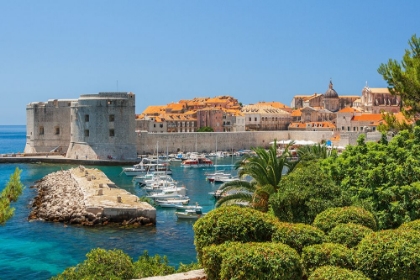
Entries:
{"x":368,"y":117}
{"x":154,"y":109}
{"x":296,"y":113}
{"x":349,"y":110}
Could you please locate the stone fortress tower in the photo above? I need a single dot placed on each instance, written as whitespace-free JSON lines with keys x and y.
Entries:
{"x":95,"y":126}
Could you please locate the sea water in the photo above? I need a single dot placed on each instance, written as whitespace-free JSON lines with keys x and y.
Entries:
{"x":40,"y":250}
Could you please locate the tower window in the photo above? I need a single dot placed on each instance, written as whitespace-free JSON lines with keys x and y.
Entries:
{"x":111,"y":118}
{"x":86,"y":132}
{"x":111,"y":133}
{"x":41,"y":130}
{"x":86,"y":118}
{"x":57,"y":130}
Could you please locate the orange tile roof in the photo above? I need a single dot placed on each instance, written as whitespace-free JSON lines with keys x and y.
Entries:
{"x":368,"y":117}
{"x":154,"y":109}
{"x":349,"y":110}
{"x":296,"y":113}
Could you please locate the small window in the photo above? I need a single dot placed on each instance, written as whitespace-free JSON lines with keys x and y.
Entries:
{"x":111,"y":118}
{"x":249,"y":119}
{"x":255,"y":119}
{"x":161,"y":125}
{"x":57,"y":131}
{"x":86,"y":132}
{"x":154,"y":125}
{"x":86,"y":118}
{"x":41,"y":130}
{"x":111,"y":133}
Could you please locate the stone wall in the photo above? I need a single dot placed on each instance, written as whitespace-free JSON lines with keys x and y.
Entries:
{"x":147,"y":143}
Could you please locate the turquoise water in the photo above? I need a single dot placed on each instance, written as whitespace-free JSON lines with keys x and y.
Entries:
{"x":39,"y":250}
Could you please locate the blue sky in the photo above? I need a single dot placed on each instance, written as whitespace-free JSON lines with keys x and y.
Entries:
{"x":164,"y":51}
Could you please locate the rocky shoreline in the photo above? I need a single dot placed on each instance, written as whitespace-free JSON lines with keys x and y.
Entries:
{"x":85,"y":196}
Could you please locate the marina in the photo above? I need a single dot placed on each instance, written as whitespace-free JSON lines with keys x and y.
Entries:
{"x":40,"y":250}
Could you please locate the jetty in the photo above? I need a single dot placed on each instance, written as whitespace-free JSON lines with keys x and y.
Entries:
{"x":87,"y":196}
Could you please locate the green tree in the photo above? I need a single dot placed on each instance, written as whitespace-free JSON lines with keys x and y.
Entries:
{"x":10,"y":193}
{"x":392,"y":124}
{"x":266,"y":168}
{"x":205,"y":129}
{"x":305,"y":193}
{"x":382,"y":177}
{"x":308,"y":153}
{"x":404,"y":78}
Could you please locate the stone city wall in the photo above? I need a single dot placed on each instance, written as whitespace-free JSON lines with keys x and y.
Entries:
{"x":226,"y":141}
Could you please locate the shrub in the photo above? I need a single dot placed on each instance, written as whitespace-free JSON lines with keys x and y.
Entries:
{"x":147,"y":266}
{"x":317,"y":255}
{"x":101,"y":264}
{"x":298,"y":236}
{"x":390,"y":254}
{"x":306,"y":192}
{"x":252,"y":260}
{"x":212,"y":258}
{"x":329,"y":272}
{"x":415,"y":225}
{"x":232,"y":223}
{"x":348,"y":234}
{"x":331,"y":217}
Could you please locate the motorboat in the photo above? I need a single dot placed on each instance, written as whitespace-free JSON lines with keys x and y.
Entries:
{"x":189,"y":207}
{"x":172,"y":202}
{"x":141,"y":179}
{"x":144,"y":168}
{"x":195,"y":160}
{"x":216,"y":176}
{"x":178,"y":192}
{"x":192,"y":214}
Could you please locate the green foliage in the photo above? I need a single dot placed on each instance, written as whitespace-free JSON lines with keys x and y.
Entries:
{"x":329,"y":272}
{"x":188,"y":267}
{"x":305,"y":193}
{"x":101,"y":264}
{"x":266,"y":169}
{"x":415,"y":225}
{"x":384,"y":178}
{"x":205,"y":129}
{"x":147,"y":266}
{"x":348,"y":234}
{"x":390,"y":254}
{"x":232,"y":223}
{"x":331,"y":217}
{"x":404,"y":78}
{"x":317,"y":255}
{"x":9,"y":194}
{"x":310,"y":153}
{"x":392,"y":124}
{"x":298,"y":236}
{"x":251,"y":260}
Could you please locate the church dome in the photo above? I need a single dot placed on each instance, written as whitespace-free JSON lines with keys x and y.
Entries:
{"x":331,"y":93}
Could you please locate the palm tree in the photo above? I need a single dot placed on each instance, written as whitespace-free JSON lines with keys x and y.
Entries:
{"x":266,"y":168}
{"x":312,"y":152}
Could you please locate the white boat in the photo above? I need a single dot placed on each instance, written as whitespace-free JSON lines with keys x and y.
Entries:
{"x":191,"y":214}
{"x":216,"y":176}
{"x":144,"y":168}
{"x":178,"y":193}
{"x":141,"y":179}
{"x":172,"y":202}
{"x":189,"y":207}
{"x":161,"y":180}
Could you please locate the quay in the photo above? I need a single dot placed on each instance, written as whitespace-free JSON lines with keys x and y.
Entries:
{"x":56,"y":158}
{"x":86,"y":196}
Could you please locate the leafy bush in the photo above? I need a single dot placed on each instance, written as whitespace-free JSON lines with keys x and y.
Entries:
{"x":232,"y":223}
{"x":384,"y":176}
{"x":348,"y":234}
{"x":212,"y":258}
{"x":331,"y":217}
{"x":188,"y":267}
{"x":251,"y":260}
{"x":329,"y":272}
{"x":390,"y":254}
{"x":306,"y":192}
{"x":101,"y":264}
{"x":415,"y":225}
{"x":9,"y":194}
{"x":317,"y":255}
{"x":147,"y":266}
{"x":298,"y":236}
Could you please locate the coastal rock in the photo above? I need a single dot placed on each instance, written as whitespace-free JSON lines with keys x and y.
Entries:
{"x":70,"y":196}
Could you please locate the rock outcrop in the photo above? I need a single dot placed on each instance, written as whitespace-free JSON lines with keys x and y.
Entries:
{"x":87,"y":197}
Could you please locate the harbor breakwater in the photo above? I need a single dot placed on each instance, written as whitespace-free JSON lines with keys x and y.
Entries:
{"x":87,"y":197}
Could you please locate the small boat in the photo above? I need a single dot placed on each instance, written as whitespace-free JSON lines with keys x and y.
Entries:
{"x":172,"y":202}
{"x":189,"y":207}
{"x":213,"y":177}
{"x":141,"y":179}
{"x":196,"y":160}
{"x":191,"y":214}
{"x":144,"y":168}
